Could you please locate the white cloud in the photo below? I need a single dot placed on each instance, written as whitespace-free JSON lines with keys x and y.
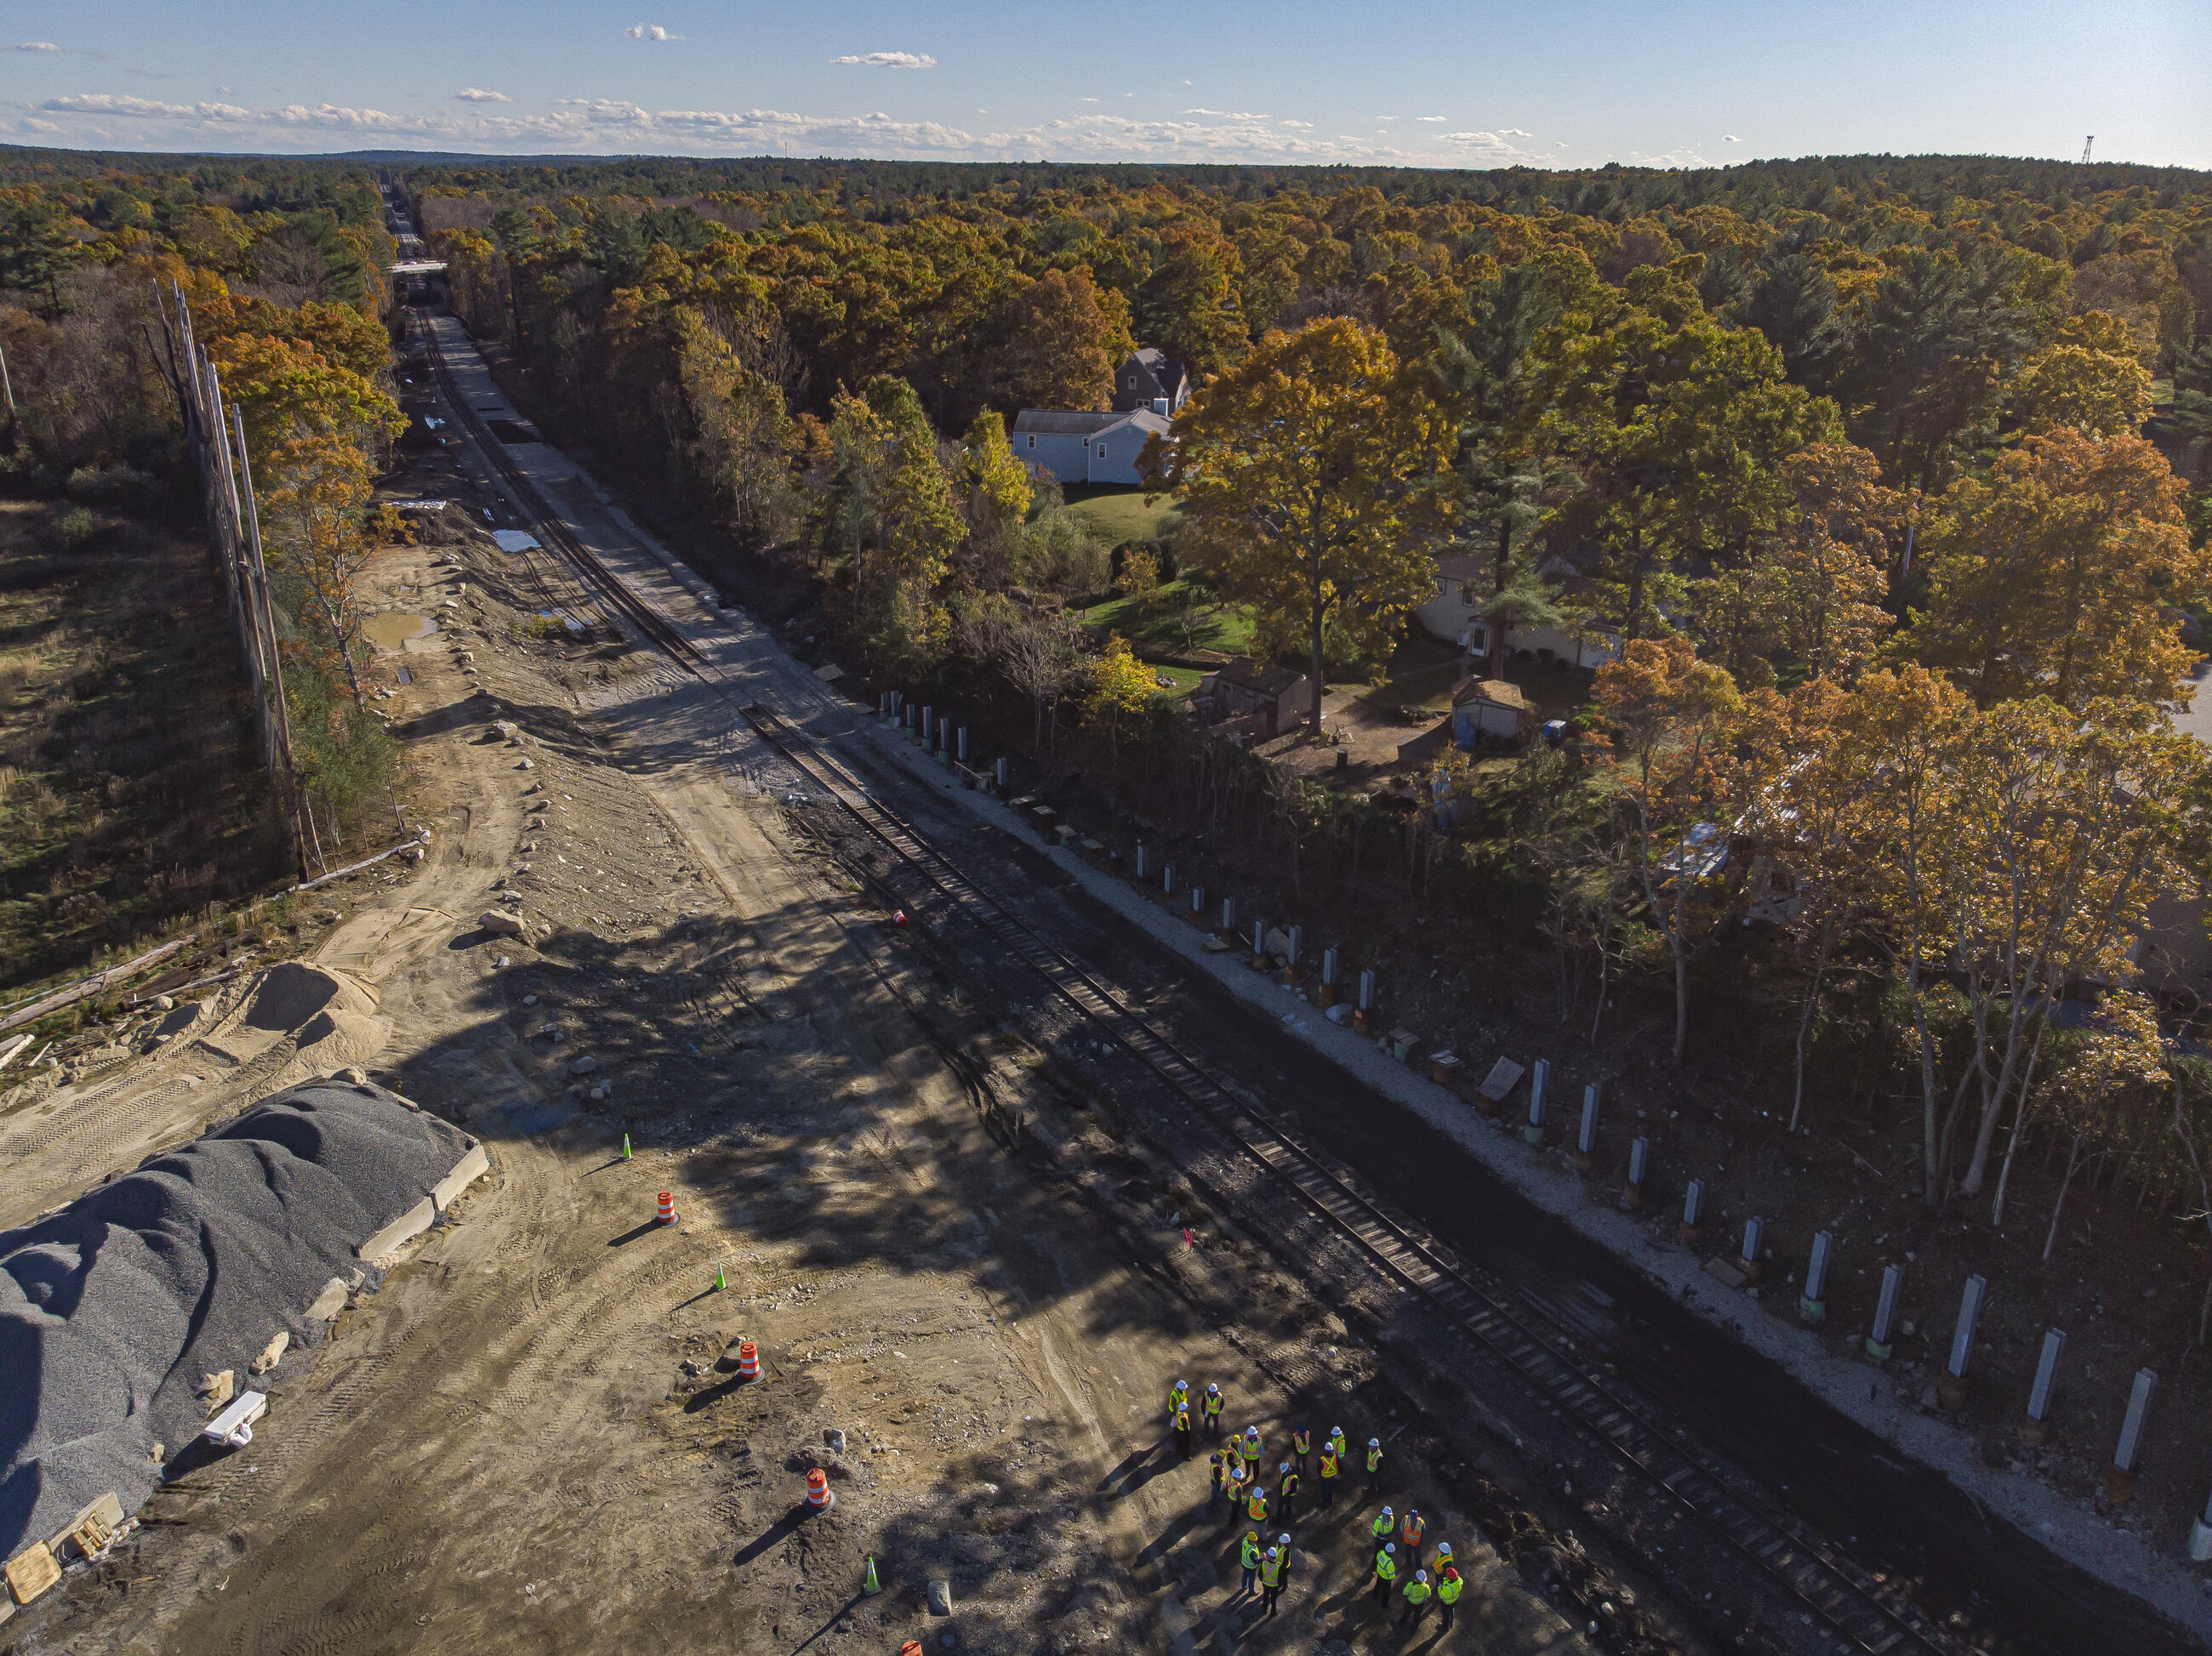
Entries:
{"x":1231,"y":115}
{"x":599,"y":125}
{"x":1090,"y":101}
{"x":1386,"y":117}
{"x":889,"y":59}
{"x":649,"y":32}
{"x":1432,"y":117}
{"x":118,"y":103}
{"x":32,"y":124}
{"x":1513,"y":132}
{"x":1730,"y":137}
{"x":38,"y":45}
{"x":476,"y":95}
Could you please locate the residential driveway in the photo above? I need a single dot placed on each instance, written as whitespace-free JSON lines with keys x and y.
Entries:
{"x":2196,"y":718}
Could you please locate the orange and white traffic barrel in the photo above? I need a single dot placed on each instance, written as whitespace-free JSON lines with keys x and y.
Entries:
{"x":819,"y":1498}
{"x":667,"y":1216}
{"x":748,"y":1361}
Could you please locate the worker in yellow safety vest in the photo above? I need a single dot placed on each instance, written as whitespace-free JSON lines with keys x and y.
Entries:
{"x":1302,"y":1445}
{"x":1327,"y":1476}
{"x":1212,"y":1406}
{"x":1386,"y":1567}
{"x":1336,"y":1443}
{"x":1374,"y":1465}
{"x":1183,"y":1433}
{"x":1248,"y":1556}
{"x":1248,"y":1447}
{"x":1271,"y":1578}
{"x":1448,"y":1591}
{"x":1417,"y":1598}
{"x":1256,"y":1504}
{"x":1178,"y":1396}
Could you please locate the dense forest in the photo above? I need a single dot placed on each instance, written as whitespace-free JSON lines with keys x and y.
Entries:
{"x":1884,"y":475}
{"x":106,"y":793}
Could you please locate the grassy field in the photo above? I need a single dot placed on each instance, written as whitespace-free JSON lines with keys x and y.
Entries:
{"x":1153,"y":628}
{"x":1115,"y":515}
{"x":129,"y":794}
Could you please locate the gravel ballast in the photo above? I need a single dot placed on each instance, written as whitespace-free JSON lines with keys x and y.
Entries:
{"x":113,"y":1308}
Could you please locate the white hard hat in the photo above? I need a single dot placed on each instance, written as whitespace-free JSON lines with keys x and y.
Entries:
{"x":1272,"y":1553}
{"x":1386,"y":1512}
{"x":1389,"y":1546}
{"x":1420,"y":1575}
{"x":1211,"y":1386}
{"x":1285,"y":1539}
{"x":1375,"y":1443}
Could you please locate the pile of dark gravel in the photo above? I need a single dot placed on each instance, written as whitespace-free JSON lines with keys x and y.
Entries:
{"x":112,"y":1309}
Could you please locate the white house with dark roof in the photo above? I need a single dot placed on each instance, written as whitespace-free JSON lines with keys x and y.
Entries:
{"x":1085,"y":446}
{"x":1462,"y":585}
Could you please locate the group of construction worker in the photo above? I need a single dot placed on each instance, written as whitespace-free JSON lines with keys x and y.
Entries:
{"x":1241,"y":1482}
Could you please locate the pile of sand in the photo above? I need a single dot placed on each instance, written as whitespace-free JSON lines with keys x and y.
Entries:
{"x":112,"y":1309}
{"x":298,"y":1019}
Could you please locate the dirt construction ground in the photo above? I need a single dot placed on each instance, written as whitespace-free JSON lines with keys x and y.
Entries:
{"x":523,"y":1442}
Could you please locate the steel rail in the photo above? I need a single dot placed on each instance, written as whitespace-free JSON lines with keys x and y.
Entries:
{"x":532,"y":505}
{"x":1869,"y":1614}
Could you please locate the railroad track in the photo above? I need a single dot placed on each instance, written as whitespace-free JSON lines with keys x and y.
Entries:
{"x":546,"y":524}
{"x":1868,"y":1615}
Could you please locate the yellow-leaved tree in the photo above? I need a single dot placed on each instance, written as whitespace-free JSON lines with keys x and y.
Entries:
{"x":1672,"y":716}
{"x":1308,"y":470}
{"x":2063,"y":575}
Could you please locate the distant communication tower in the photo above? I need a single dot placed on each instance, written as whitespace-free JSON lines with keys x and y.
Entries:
{"x":2087,"y":144}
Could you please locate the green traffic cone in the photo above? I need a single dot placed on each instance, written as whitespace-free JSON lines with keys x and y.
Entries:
{"x":868,"y":1582}
{"x":719,"y":1284}
{"x":625,"y":1147}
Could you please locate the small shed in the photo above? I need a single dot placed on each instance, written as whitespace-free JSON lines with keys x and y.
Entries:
{"x":1491,"y":708}
{"x":1273,"y":697}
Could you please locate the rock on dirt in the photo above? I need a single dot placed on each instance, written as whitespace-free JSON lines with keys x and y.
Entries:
{"x":499,"y":925}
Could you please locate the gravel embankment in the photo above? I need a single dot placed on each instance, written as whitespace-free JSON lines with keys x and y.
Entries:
{"x":113,"y":1308}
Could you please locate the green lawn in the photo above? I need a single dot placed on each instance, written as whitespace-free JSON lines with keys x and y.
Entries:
{"x":1153,"y":628}
{"x":1116,"y":514}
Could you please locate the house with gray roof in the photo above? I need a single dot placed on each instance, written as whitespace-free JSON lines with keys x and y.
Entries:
{"x":1080,"y":447}
{"x":1151,"y":380}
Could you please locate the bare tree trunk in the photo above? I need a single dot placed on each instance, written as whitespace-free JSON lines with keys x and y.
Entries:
{"x":2019,"y":1119}
{"x":2073,"y":1157}
{"x":1804,"y":1021}
{"x":1604,"y":971}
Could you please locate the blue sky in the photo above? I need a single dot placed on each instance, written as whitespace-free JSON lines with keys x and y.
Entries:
{"x":1467,"y":84}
